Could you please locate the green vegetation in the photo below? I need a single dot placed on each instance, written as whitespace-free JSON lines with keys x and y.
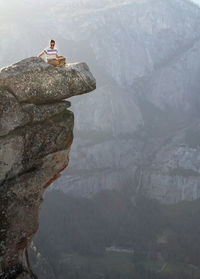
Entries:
{"x":74,"y":233}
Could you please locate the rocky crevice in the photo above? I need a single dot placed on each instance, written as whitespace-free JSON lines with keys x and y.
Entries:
{"x":36,"y":132}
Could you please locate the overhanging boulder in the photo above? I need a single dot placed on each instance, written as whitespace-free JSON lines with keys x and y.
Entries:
{"x":34,"y":81}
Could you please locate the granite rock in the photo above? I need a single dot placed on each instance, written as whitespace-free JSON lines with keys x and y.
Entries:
{"x":36,"y":133}
{"x":34,"y":81}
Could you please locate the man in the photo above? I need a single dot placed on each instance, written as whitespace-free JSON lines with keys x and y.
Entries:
{"x":52,"y":57}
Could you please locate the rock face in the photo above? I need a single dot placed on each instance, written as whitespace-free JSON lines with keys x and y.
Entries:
{"x":36,"y":132}
{"x":148,"y":106}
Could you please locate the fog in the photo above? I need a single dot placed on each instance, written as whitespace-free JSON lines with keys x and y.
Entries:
{"x":128,"y":204}
{"x":196,"y":2}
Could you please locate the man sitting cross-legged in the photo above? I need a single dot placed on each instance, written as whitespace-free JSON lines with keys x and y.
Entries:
{"x":52,"y":57}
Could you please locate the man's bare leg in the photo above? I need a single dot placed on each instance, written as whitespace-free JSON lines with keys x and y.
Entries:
{"x":62,"y":61}
{"x":53,"y":62}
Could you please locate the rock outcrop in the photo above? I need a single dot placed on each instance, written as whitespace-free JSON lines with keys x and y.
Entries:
{"x":36,"y":132}
{"x":33,"y":81}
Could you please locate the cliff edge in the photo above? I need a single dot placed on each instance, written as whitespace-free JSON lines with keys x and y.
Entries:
{"x":36,"y":132}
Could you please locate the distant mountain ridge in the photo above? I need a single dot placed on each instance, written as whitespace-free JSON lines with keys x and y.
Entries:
{"x":132,"y":31}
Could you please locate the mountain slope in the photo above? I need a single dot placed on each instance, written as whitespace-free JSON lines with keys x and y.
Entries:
{"x":157,"y":103}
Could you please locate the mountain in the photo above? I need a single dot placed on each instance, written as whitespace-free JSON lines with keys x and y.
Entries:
{"x":121,"y":32}
{"x":145,"y":56}
{"x":147,"y":100}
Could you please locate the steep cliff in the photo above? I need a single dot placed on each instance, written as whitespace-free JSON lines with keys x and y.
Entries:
{"x":151,"y":50}
{"x":36,"y":132}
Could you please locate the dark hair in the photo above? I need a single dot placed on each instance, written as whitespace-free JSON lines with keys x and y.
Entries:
{"x":52,"y":41}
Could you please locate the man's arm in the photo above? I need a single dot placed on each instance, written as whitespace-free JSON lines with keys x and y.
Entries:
{"x":41,"y":54}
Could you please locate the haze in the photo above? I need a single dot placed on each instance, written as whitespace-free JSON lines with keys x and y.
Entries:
{"x":128,"y":204}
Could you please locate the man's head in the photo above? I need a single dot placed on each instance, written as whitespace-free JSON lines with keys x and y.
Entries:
{"x":52,"y":44}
